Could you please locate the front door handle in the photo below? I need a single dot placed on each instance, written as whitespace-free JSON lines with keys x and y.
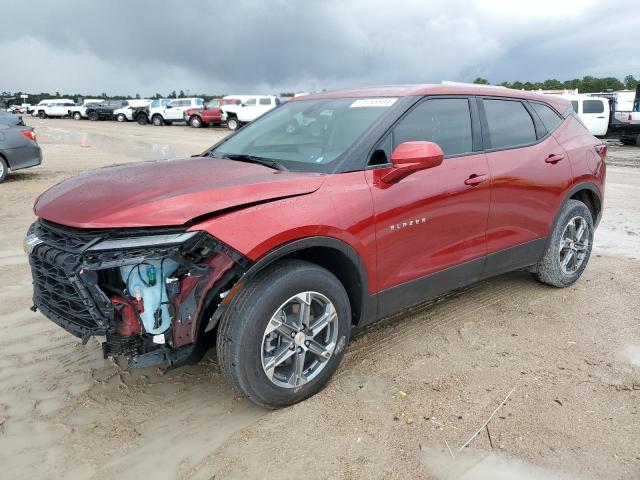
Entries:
{"x":475,"y":179}
{"x":554,"y":158}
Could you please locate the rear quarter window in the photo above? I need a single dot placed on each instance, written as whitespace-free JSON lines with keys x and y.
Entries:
{"x":510,"y":124}
{"x":550,"y":119}
{"x":592,"y":106}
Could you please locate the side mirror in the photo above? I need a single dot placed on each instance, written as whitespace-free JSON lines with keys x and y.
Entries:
{"x":409,"y":157}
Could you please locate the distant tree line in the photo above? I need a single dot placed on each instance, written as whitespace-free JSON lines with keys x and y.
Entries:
{"x":586,"y":84}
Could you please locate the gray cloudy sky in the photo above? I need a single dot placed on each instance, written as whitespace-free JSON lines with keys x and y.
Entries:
{"x":128,"y":46}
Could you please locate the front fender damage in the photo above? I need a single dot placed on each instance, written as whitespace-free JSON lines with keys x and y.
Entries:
{"x":150,"y":303}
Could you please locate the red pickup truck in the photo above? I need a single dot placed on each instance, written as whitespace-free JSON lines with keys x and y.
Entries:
{"x":203,"y":117}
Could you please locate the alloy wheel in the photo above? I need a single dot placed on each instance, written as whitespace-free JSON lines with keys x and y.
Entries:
{"x":574,"y":245}
{"x":299,"y":339}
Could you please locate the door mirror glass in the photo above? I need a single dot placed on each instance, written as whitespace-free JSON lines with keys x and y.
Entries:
{"x":409,"y":157}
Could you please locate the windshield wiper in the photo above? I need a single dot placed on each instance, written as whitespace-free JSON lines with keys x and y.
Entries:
{"x":255,"y":159}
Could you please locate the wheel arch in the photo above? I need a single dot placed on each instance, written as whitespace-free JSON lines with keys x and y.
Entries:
{"x":6,"y":160}
{"x":334,"y":255}
{"x":590,"y":195}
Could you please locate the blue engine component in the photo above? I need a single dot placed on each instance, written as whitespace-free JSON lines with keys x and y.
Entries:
{"x":141,"y":284}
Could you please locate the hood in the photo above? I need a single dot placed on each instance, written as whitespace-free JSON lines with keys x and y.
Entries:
{"x":167,"y":192}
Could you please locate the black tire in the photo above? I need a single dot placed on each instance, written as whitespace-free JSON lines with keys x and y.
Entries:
{"x":157,"y":120}
{"x":233,"y":123}
{"x":142,"y":119}
{"x":168,"y":123}
{"x":4,"y":169}
{"x":77,"y":116}
{"x":41,"y":114}
{"x":243,"y":324}
{"x":638,"y":140}
{"x":93,"y":116}
{"x":195,"y":121}
{"x":550,"y":270}
{"x":121,"y":117}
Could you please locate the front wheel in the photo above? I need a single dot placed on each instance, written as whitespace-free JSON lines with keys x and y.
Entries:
{"x":3,"y":169}
{"x":93,"y":116}
{"x":284,"y":333}
{"x":233,"y":123}
{"x":77,"y":116}
{"x":569,"y":246}
{"x":157,"y":120}
{"x":41,"y":114}
{"x":195,"y":121}
{"x":121,"y":117}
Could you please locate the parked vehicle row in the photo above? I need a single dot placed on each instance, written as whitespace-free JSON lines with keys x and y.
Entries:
{"x":234,"y":110}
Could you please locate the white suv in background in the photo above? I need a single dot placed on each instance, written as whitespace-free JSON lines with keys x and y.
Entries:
{"x":173,"y":111}
{"x":40,"y":108}
{"x":250,"y":108}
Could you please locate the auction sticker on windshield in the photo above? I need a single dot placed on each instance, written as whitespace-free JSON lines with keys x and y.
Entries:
{"x":373,"y":102}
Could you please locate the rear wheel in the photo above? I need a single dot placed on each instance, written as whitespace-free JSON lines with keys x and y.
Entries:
{"x":3,"y":169}
{"x":157,"y":120}
{"x":195,"y":121}
{"x":121,"y":117}
{"x":77,"y":116}
{"x":284,"y":333}
{"x":93,"y":116}
{"x":569,"y":247}
{"x":41,"y":114}
{"x":142,"y":118}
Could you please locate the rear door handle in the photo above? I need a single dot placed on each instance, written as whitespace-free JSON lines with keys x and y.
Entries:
{"x":475,"y":179}
{"x":554,"y":158}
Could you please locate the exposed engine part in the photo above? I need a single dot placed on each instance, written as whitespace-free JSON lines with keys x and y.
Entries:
{"x":146,"y":282}
{"x":150,"y":291}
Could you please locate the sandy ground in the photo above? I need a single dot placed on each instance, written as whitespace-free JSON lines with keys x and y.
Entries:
{"x":410,"y":392}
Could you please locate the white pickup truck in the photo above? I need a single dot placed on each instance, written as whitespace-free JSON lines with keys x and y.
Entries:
{"x":625,"y":111}
{"x":80,"y":111}
{"x":173,"y":111}
{"x":125,"y":114}
{"x":247,"y":109}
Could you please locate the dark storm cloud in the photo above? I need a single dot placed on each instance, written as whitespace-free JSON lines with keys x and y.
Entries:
{"x":148,"y":46}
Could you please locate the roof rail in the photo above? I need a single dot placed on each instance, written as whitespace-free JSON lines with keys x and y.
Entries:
{"x":464,"y":84}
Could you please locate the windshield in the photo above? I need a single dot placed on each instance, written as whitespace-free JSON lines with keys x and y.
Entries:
{"x":306,"y":135}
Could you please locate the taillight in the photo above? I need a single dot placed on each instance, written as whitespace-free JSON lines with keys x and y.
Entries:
{"x":601,"y":150}
{"x":629,"y":117}
{"x":29,"y":134}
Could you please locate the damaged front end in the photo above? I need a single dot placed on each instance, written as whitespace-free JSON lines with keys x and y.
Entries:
{"x":149,"y":292}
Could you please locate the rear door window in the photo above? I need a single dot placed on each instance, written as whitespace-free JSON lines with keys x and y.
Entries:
{"x":445,"y":121}
{"x":265,"y":101}
{"x":592,"y":106}
{"x":510,"y":124}
{"x":549,"y":117}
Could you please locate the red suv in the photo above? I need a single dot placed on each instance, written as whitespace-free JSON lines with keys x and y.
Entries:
{"x":324,"y":215}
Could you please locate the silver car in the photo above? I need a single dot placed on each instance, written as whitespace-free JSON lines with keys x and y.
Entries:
{"x":18,"y":149}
